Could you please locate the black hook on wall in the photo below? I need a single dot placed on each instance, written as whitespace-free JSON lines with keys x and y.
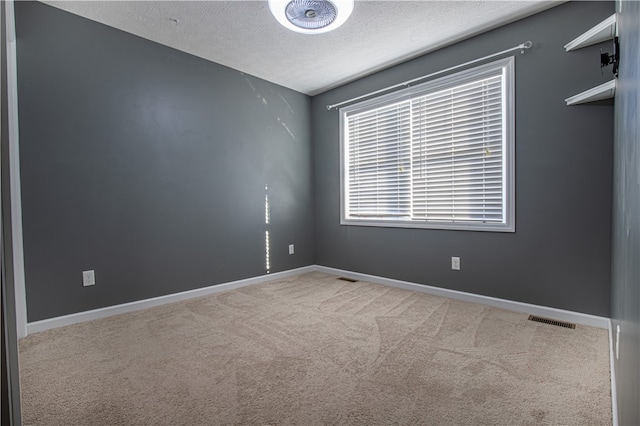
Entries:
{"x":611,"y":59}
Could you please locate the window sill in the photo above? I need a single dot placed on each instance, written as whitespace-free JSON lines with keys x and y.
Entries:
{"x":435,"y":226}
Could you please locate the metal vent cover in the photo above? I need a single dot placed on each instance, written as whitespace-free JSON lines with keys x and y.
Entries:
{"x":552,"y":322}
{"x":311,"y":14}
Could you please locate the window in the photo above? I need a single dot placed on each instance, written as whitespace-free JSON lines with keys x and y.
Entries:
{"x":437,"y":155}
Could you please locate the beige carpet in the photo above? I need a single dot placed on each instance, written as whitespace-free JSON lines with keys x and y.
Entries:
{"x":313,"y":350}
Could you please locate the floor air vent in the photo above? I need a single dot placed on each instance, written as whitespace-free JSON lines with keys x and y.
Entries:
{"x":348,"y":279}
{"x":551,"y":322}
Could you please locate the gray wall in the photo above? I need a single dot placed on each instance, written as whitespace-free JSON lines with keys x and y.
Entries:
{"x":559,"y":255}
{"x":625,"y":283}
{"x":149,"y":166}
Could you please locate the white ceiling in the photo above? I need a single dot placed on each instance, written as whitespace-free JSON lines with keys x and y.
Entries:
{"x":245,"y":36}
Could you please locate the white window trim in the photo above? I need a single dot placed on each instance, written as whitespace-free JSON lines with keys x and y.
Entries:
{"x":509,"y":148}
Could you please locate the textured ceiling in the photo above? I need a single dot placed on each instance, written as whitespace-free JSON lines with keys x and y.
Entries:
{"x":245,"y":36}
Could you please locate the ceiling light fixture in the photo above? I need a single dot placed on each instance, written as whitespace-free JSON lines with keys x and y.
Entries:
{"x":311,"y":16}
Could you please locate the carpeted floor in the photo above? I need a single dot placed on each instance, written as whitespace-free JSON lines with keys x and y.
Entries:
{"x":314,"y":350}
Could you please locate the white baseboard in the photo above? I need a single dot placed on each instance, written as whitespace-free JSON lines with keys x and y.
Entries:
{"x":558,"y":314}
{"x":510,"y":305}
{"x":37,"y":326}
{"x":614,"y":390}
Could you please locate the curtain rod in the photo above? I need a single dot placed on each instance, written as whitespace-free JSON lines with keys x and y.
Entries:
{"x":522,"y":47}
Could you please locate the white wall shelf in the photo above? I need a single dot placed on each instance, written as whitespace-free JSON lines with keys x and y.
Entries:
{"x":598,"y":93}
{"x":605,"y":30}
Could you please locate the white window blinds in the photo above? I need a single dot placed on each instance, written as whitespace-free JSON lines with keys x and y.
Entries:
{"x":379,"y":162}
{"x":457,"y":153}
{"x":435,"y":156}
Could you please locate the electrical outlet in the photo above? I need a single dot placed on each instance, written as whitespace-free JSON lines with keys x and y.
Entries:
{"x":88,"y":278}
{"x":291,"y":249}
{"x":455,"y":263}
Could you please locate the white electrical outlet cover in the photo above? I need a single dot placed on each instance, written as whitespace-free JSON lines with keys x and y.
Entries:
{"x":455,"y":263}
{"x":88,"y":278}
